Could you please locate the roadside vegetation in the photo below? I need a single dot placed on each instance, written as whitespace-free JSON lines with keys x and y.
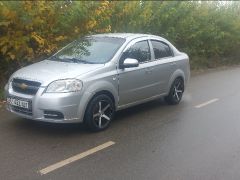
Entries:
{"x":1,"y":94}
{"x":32,"y":30}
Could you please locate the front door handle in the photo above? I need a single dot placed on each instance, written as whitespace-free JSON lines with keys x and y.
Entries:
{"x":149,"y":70}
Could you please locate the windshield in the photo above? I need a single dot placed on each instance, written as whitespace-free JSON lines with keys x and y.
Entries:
{"x":90,"y":50}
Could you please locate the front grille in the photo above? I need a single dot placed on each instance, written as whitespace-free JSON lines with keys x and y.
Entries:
{"x":25,"y":86}
{"x":22,"y":110}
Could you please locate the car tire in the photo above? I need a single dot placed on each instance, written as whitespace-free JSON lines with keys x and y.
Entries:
{"x":99,"y":113}
{"x":176,"y":92}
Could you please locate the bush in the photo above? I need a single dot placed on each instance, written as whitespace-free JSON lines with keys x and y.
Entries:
{"x":33,"y":30}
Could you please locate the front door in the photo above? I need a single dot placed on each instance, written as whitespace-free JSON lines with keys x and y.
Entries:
{"x":134,"y":84}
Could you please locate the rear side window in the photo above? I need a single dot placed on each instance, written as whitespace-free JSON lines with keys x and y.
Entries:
{"x":161,"y":49}
{"x":139,"y":51}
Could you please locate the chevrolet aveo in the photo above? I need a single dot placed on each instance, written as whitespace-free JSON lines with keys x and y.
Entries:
{"x":95,"y":76}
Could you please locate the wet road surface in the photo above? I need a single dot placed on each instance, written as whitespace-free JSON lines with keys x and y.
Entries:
{"x":199,"y":139}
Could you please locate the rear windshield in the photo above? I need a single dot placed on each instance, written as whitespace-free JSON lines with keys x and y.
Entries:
{"x":90,"y":50}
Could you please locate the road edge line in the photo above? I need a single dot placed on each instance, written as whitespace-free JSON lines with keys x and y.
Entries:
{"x":79,"y":156}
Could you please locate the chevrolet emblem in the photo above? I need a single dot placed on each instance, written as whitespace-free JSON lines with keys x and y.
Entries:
{"x":23,"y":86}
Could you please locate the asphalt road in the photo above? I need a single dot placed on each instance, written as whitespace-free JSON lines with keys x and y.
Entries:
{"x":199,"y":139}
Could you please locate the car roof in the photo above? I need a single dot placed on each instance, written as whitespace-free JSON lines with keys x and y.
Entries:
{"x":132,"y":36}
{"x":128,"y":36}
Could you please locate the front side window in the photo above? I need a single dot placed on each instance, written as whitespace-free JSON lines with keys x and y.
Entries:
{"x":139,"y":51}
{"x":90,"y":50}
{"x":161,"y":49}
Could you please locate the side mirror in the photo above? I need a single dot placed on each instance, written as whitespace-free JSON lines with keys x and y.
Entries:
{"x":128,"y":63}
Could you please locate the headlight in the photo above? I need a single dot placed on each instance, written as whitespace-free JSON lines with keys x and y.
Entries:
{"x":63,"y":86}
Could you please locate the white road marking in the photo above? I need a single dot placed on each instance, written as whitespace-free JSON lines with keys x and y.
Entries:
{"x":75,"y":158}
{"x":206,"y":103}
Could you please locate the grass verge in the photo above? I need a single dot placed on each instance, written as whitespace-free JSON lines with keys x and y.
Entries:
{"x":2,"y":102}
{"x":1,"y":95}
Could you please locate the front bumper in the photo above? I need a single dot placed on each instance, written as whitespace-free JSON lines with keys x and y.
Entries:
{"x":68,"y":104}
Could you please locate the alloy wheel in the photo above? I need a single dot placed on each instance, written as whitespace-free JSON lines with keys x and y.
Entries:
{"x":102,"y":113}
{"x":178,"y":89}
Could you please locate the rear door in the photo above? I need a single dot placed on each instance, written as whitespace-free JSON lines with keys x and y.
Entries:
{"x":163,"y":65}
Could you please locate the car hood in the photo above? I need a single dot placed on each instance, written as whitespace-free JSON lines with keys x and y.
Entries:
{"x":47,"y":71}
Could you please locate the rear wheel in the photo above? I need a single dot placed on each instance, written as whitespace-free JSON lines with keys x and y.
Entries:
{"x":99,"y":113}
{"x":176,"y":92}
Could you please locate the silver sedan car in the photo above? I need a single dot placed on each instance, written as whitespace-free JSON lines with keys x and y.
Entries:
{"x":95,"y":76}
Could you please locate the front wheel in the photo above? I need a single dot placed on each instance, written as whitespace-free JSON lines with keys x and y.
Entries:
{"x":176,"y":92}
{"x":99,"y":113}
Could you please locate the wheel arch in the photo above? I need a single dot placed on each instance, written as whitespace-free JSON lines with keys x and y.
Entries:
{"x":100,"y":92}
{"x":102,"y":88}
{"x":177,"y":74}
{"x":105,"y":92}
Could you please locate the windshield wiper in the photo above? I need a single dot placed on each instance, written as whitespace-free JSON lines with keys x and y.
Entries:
{"x":76,"y":60}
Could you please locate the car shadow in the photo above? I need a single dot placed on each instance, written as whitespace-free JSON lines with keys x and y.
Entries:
{"x":122,"y":117}
{"x":141,"y":108}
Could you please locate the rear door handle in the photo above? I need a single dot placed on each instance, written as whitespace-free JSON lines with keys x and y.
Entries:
{"x":173,"y":63}
{"x":149,"y":70}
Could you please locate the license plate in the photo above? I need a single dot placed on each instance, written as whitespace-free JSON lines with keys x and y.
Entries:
{"x":18,"y":102}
